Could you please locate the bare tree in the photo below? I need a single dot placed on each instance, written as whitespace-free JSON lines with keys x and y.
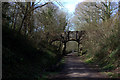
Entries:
{"x":28,"y":10}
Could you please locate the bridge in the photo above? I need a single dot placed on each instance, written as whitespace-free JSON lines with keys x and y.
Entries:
{"x":70,"y":36}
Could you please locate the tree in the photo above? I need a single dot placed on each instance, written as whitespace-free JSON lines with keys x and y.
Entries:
{"x":5,"y":17}
{"x":93,"y":12}
{"x":28,"y":10}
{"x":51,"y":20}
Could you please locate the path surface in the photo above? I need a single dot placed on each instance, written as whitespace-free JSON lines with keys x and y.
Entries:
{"x":75,"y":69}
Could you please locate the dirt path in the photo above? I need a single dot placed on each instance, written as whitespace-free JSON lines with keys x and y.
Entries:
{"x":75,"y":69}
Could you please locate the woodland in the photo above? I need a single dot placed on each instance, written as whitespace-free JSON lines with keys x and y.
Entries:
{"x":29,"y":27}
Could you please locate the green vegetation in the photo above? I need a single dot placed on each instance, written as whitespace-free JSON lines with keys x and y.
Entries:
{"x":106,"y":54}
{"x":89,"y":60}
{"x":27,"y":32}
{"x":102,"y":33}
{"x":21,"y":59}
{"x":28,"y":28}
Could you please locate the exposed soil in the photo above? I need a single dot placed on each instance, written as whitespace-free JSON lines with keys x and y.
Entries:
{"x":75,"y":69}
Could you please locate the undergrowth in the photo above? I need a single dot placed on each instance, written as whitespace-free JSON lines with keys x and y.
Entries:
{"x":23,"y":60}
{"x":103,"y":46}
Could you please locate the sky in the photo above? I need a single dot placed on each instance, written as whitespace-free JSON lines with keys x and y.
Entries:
{"x":67,"y":5}
{"x":70,"y":4}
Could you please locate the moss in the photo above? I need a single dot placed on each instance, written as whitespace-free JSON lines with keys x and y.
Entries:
{"x":113,"y":75}
{"x":110,"y":74}
{"x":89,"y":60}
{"x":108,"y":67}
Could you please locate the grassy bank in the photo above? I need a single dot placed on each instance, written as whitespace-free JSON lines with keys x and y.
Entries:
{"x":102,"y":43}
{"x":23,"y":60}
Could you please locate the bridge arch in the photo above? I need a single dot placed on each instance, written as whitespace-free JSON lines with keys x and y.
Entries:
{"x":70,"y":36}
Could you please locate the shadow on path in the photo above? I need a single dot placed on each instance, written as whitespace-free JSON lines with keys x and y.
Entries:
{"x":75,"y":69}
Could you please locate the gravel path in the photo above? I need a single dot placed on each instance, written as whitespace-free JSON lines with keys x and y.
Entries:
{"x":75,"y":69}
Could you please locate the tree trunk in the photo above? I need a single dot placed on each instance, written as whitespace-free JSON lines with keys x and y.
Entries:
{"x":23,"y":19}
{"x":15,"y":21}
{"x":26,"y":13}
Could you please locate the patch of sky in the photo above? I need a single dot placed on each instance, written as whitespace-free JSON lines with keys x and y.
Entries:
{"x":68,"y":5}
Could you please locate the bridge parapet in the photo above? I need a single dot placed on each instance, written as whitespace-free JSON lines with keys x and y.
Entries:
{"x":72,"y":36}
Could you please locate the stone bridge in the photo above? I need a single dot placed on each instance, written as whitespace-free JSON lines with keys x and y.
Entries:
{"x":70,"y":36}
